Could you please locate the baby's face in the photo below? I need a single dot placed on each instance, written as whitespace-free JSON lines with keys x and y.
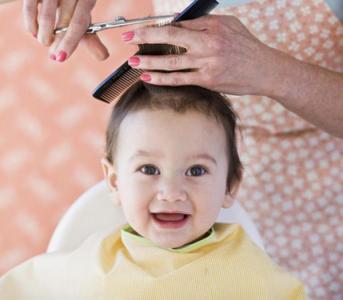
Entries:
{"x":170,"y":171}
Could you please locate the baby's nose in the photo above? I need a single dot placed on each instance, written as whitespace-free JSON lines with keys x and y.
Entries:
{"x":171,"y":190}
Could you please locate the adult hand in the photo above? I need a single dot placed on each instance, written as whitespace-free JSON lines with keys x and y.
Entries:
{"x":40,"y":18}
{"x":227,"y":58}
{"x":223,"y":54}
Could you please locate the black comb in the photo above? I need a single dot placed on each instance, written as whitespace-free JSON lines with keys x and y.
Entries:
{"x":125,"y":76}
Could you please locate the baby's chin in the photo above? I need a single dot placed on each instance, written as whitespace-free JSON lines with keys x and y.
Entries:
{"x":175,"y":239}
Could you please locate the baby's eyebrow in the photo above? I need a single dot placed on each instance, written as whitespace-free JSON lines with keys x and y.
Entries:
{"x":140,"y":153}
{"x":143,"y":153}
{"x":203,"y":156}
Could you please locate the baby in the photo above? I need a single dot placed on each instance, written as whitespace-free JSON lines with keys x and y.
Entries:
{"x":171,"y":163}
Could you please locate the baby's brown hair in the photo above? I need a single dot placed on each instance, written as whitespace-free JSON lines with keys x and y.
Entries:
{"x":179,"y":99}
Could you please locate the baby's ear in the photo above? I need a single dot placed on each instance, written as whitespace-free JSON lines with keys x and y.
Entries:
{"x":109,"y":174}
{"x":230,"y":196}
{"x":111,"y":179}
{"x":228,"y":200}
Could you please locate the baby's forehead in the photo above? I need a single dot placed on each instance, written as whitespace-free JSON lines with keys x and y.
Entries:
{"x":160,"y":121}
{"x":156,"y":112}
{"x":166,"y":127}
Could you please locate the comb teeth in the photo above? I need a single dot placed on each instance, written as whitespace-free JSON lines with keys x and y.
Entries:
{"x":119,"y":81}
{"x":120,"y":85}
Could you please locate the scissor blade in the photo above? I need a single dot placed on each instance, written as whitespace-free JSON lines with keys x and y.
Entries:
{"x":124,"y":22}
{"x":119,"y":22}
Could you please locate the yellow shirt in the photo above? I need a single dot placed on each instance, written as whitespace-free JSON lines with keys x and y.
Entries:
{"x":225,"y":264}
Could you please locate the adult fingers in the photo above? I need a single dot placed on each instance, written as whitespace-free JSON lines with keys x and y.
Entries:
{"x":214,"y":24}
{"x":46,"y":21}
{"x":165,"y":35}
{"x":91,"y":42}
{"x":76,"y":29}
{"x":30,"y":11}
{"x":171,"y":79}
{"x":95,"y":46}
{"x":198,"y":24}
{"x":164,"y":62}
{"x":65,"y":13}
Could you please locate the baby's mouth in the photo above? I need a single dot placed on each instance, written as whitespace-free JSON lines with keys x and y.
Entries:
{"x":170,"y":220}
{"x":169,"y":217}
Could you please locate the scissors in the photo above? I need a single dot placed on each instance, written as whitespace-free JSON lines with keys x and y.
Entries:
{"x":118,"y":22}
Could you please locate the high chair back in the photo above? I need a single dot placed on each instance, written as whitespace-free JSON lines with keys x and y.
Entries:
{"x":94,"y":211}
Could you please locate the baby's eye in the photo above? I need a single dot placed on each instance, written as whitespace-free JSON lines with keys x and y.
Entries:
{"x":148,"y":170}
{"x":196,"y":171}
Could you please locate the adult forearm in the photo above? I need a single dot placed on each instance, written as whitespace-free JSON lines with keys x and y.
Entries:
{"x":312,"y":92}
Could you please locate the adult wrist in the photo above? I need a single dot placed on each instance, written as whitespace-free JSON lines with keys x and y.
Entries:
{"x":284,"y":76}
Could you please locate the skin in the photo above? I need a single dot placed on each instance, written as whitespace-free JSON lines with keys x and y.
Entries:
{"x":175,"y":181}
{"x":40,"y":18}
{"x":223,"y":54}
{"x":227,"y":58}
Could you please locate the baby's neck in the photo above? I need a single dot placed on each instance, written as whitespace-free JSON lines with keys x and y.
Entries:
{"x":205,"y":235}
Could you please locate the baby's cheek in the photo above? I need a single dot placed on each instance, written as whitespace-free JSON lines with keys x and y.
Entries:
{"x":139,"y":200}
{"x":145,"y":190}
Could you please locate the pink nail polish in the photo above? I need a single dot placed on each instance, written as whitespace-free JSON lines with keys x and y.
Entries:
{"x":145,"y":77}
{"x":128,"y":36}
{"x":34,"y":35}
{"x":61,"y":56}
{"x":53,"y":56}
{"x":134,"y":61}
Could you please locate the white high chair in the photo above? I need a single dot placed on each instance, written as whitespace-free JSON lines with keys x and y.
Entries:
{"x":94,"y":211}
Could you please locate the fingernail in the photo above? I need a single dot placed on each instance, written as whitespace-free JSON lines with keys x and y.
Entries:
{"x":145,"y":77}
{"x":134,"y":61}
{"x":34,"y":35}
{"x":128,"y":36}
{"x":53,"y":56}
{"x":61,"y":56}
